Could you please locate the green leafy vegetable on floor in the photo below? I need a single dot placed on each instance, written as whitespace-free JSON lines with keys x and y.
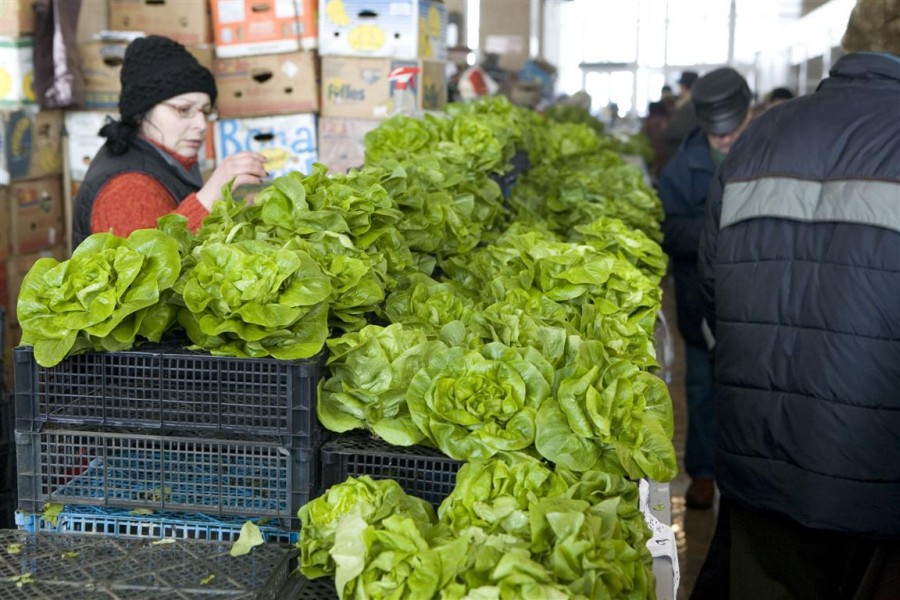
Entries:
{"x":249,"y":537}
{"x":51,"y":511}
{"x":22,"y":580}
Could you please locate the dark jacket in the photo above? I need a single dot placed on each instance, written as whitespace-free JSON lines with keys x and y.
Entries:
{"x":800,"y":260}
{"x":683,"y":185}
{"x":141,"y":157}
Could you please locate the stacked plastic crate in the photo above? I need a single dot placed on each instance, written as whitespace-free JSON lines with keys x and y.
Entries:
{"x":165,"y":442}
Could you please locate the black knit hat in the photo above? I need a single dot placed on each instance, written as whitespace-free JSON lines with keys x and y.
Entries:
{"x":721,"y":100}
{"x":156,"y":69}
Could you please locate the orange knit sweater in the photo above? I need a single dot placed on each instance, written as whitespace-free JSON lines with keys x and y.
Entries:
{"x":135,"y":201}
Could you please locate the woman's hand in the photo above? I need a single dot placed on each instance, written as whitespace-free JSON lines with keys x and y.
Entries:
{"x":245,"y":168}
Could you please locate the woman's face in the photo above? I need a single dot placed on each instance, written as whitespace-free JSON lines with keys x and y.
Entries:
{"x":179,"y":123}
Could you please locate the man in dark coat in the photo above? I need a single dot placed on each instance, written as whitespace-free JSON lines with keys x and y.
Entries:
{"x":721,"y":103}
{"x":800,"y":266}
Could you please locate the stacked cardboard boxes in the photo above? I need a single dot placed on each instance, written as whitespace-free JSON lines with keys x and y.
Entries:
{"x":266,"y":71}
{"x":32,"y":222}
{"x":362,"y":42}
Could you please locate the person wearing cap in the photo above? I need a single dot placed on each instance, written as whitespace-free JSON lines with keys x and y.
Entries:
{"x":721,"y":101}
{"x":800,"y":271}
{"x":148,"y":165}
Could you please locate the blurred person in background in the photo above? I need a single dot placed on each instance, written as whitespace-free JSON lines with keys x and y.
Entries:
{"x":773,"y":98}
{"x":148,"y":167}
{"x":654,"y":126}
{"x":721,"y":100}
{"x":800,"y":267}
{"x":778,"y":95}
{"x":683,"y":119}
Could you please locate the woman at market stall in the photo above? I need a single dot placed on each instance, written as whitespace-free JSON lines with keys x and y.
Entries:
{"x":148,"y":166}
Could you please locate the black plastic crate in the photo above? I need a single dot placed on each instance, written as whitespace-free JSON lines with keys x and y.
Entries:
{"x":7,"y":509}
{"x":421,"y":471}
{"x":7,"y":417}
{"x":64,"y":566}
{"x":251,"y":477}
{"x":301,"y":588}
{"x":167,"y":387}
{"x":7,"y":466}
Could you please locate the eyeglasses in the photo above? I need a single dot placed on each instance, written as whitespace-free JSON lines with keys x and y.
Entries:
{"x":189,"y":111}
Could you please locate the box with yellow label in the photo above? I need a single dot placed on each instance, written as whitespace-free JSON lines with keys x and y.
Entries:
{"x":35,"y":215}
{"x":16,"y":73}
{"x":30,"y":143}
{"x":359,"y":88}
{"x":387,"y":28}
{"x":287,"y":141}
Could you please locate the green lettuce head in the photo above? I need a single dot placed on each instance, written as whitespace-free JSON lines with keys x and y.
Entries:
{"x":110,"y":292}
{"x":473,"y":404}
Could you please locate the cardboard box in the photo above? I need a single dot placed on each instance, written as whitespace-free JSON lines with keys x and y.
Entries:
{"x":249,"y":27}
{"x":270,"y":84}
{"x":101,"y":65}
{"x":36,"y":215}
{"x":287,"y":141}
{"x":342,"y":142}
{"x":82,"y":139}
{"x":389,"y":28}
{"x":93,"y":18}
{"x":16,"y":73}
{"x":358,"y":88}
{"x":185,"y":21}
{"x":30,"y":143}
{"x":16,"y":18}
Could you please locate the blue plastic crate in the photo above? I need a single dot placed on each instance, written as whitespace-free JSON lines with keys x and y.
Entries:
{"x":247,"y":477}
{"x":165,"y":524}
{"x":165,"y":387}
{"x":421,"y":471}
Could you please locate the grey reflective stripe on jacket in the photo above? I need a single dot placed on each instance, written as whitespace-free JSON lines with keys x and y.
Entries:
{"x":800,"y":267}
{"x":862,"y":201}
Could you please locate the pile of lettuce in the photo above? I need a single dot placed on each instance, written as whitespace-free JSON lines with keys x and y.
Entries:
{"x":512,"y":528}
